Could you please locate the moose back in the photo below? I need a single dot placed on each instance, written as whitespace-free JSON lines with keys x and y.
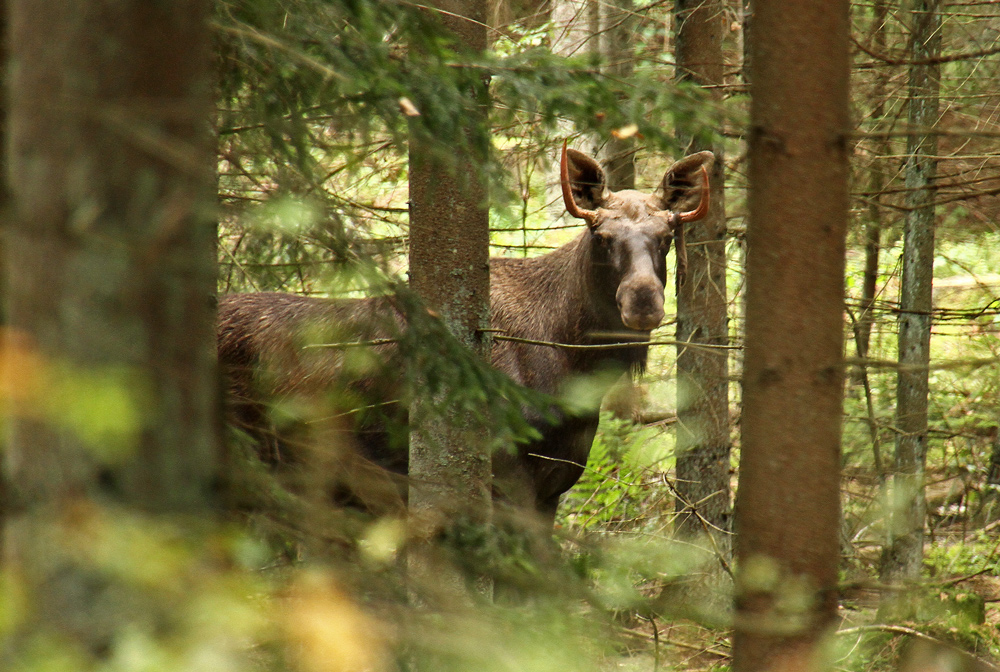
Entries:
{"x":605,"y":286}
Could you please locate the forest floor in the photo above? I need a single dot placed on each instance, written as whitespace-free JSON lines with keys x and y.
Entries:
{"x":863,"y":642}
{"x":955,"y":625}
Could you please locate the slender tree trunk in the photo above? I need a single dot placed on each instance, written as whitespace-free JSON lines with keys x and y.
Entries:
{"x":110,"y":276}
{"x":449,"y":466}
{"x":575,"y":26}
{"x":4,"y":222}
{"x":903,"y":555}
{"x":989,"y":504}
{"x":788,"y":505}
{"x":746,"y":30}
{"x":576,"y":30}
{"x":615,"y":34}
{"x":873,"y":235}
{"x":503,"y":13}
{"x":618,"y":26}
{"x":876,"y":183}
{"x":993,"y":473}
{"x":703,"y":443}
{"x":606,"y":29}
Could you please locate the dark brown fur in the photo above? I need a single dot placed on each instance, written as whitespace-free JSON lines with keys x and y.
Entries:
{"x":610,"y":276}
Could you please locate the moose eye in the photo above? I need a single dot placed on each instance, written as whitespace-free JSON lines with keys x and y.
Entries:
{"x":601,"y":239}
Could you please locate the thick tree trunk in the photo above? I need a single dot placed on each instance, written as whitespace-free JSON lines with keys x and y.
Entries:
{"x":788,"y":505}
{"x":703,"y":443}
{"x":110,"y":275}
{"x":449,"y":465}
{"x":903,"y":555}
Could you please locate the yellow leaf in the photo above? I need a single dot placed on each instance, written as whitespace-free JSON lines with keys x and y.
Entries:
{"x":332,"y":632}
{"x":407,"y":107}
{"x":626,"y":131}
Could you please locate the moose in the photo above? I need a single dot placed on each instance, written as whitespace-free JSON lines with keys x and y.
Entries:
{"x":604,"y":287}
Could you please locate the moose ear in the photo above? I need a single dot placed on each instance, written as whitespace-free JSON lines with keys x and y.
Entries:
{"x":586,"y":179}
{"x":681,"y":188}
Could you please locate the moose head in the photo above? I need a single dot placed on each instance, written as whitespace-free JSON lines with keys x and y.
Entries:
{"x":631,"y":232}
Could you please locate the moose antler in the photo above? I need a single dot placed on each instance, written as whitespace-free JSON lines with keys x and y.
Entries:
{"x":679,"y":218}
{"x":590,"y":216}
{"x":677,"y":221}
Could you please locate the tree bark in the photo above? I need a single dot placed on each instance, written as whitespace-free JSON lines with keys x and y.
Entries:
{"x":576,"y":27}
{"x":873,"y":235}
{"x":450,"y":468}
{"x":787,"y":507}
{"x":576,"y":31}
{"x":703,"y":443}
{"x":903,"y":555}
{"x":876,"y":183}
{"x":746,"y":30}
{"x":4,"y":222}
{"x":110,"y":272}
{"x":618,"y":26}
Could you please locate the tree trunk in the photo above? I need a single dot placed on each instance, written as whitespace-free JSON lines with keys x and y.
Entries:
{"x":576,"y":27}
{"x":873,"y":234}
{"x":110,"y":275}
{"x":787,"y":507}
{"x":903,"y":555}
{"x":449,"y":466}
{"x":876,"y":183}
{"x":746,"y":30}
{"x":4,"y":217}
{"x":617,"y":30}
{"x":576,"y":30}
{"x":703,"y":443}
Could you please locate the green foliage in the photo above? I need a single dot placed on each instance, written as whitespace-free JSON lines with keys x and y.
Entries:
{"x":162,"y":594}
{"x":979,"y":554}
{"x":548,"y":88}
{"x":962,"y":406}
{"x":623,"y":486}
{"x":458,"y":382}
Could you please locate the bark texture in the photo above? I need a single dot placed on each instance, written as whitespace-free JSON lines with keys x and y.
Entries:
{"x":873,"y":237}
{"x":449,"y":466}
{"x":876,"y":183}
{"x":4,"y":205}
{"x":575,"y":26}
{"x":619,"y":23}
{"x":703,"y":443}
{"x":787,"y":506}
{"x":903,"y":555}
{"x":111,"y":275}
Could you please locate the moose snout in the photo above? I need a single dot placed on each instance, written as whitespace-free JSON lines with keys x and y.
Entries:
{"x":641,"y":304}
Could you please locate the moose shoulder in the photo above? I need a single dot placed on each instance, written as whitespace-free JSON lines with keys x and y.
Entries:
{"x":605,"y":286}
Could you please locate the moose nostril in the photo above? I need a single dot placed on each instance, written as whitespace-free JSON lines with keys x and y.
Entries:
{"x":641,"y":306}
{"x":643,"y":322}
{"x":642,"y":315}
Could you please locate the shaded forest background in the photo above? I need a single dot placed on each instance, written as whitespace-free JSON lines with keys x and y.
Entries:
{"x":315,"y":107}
